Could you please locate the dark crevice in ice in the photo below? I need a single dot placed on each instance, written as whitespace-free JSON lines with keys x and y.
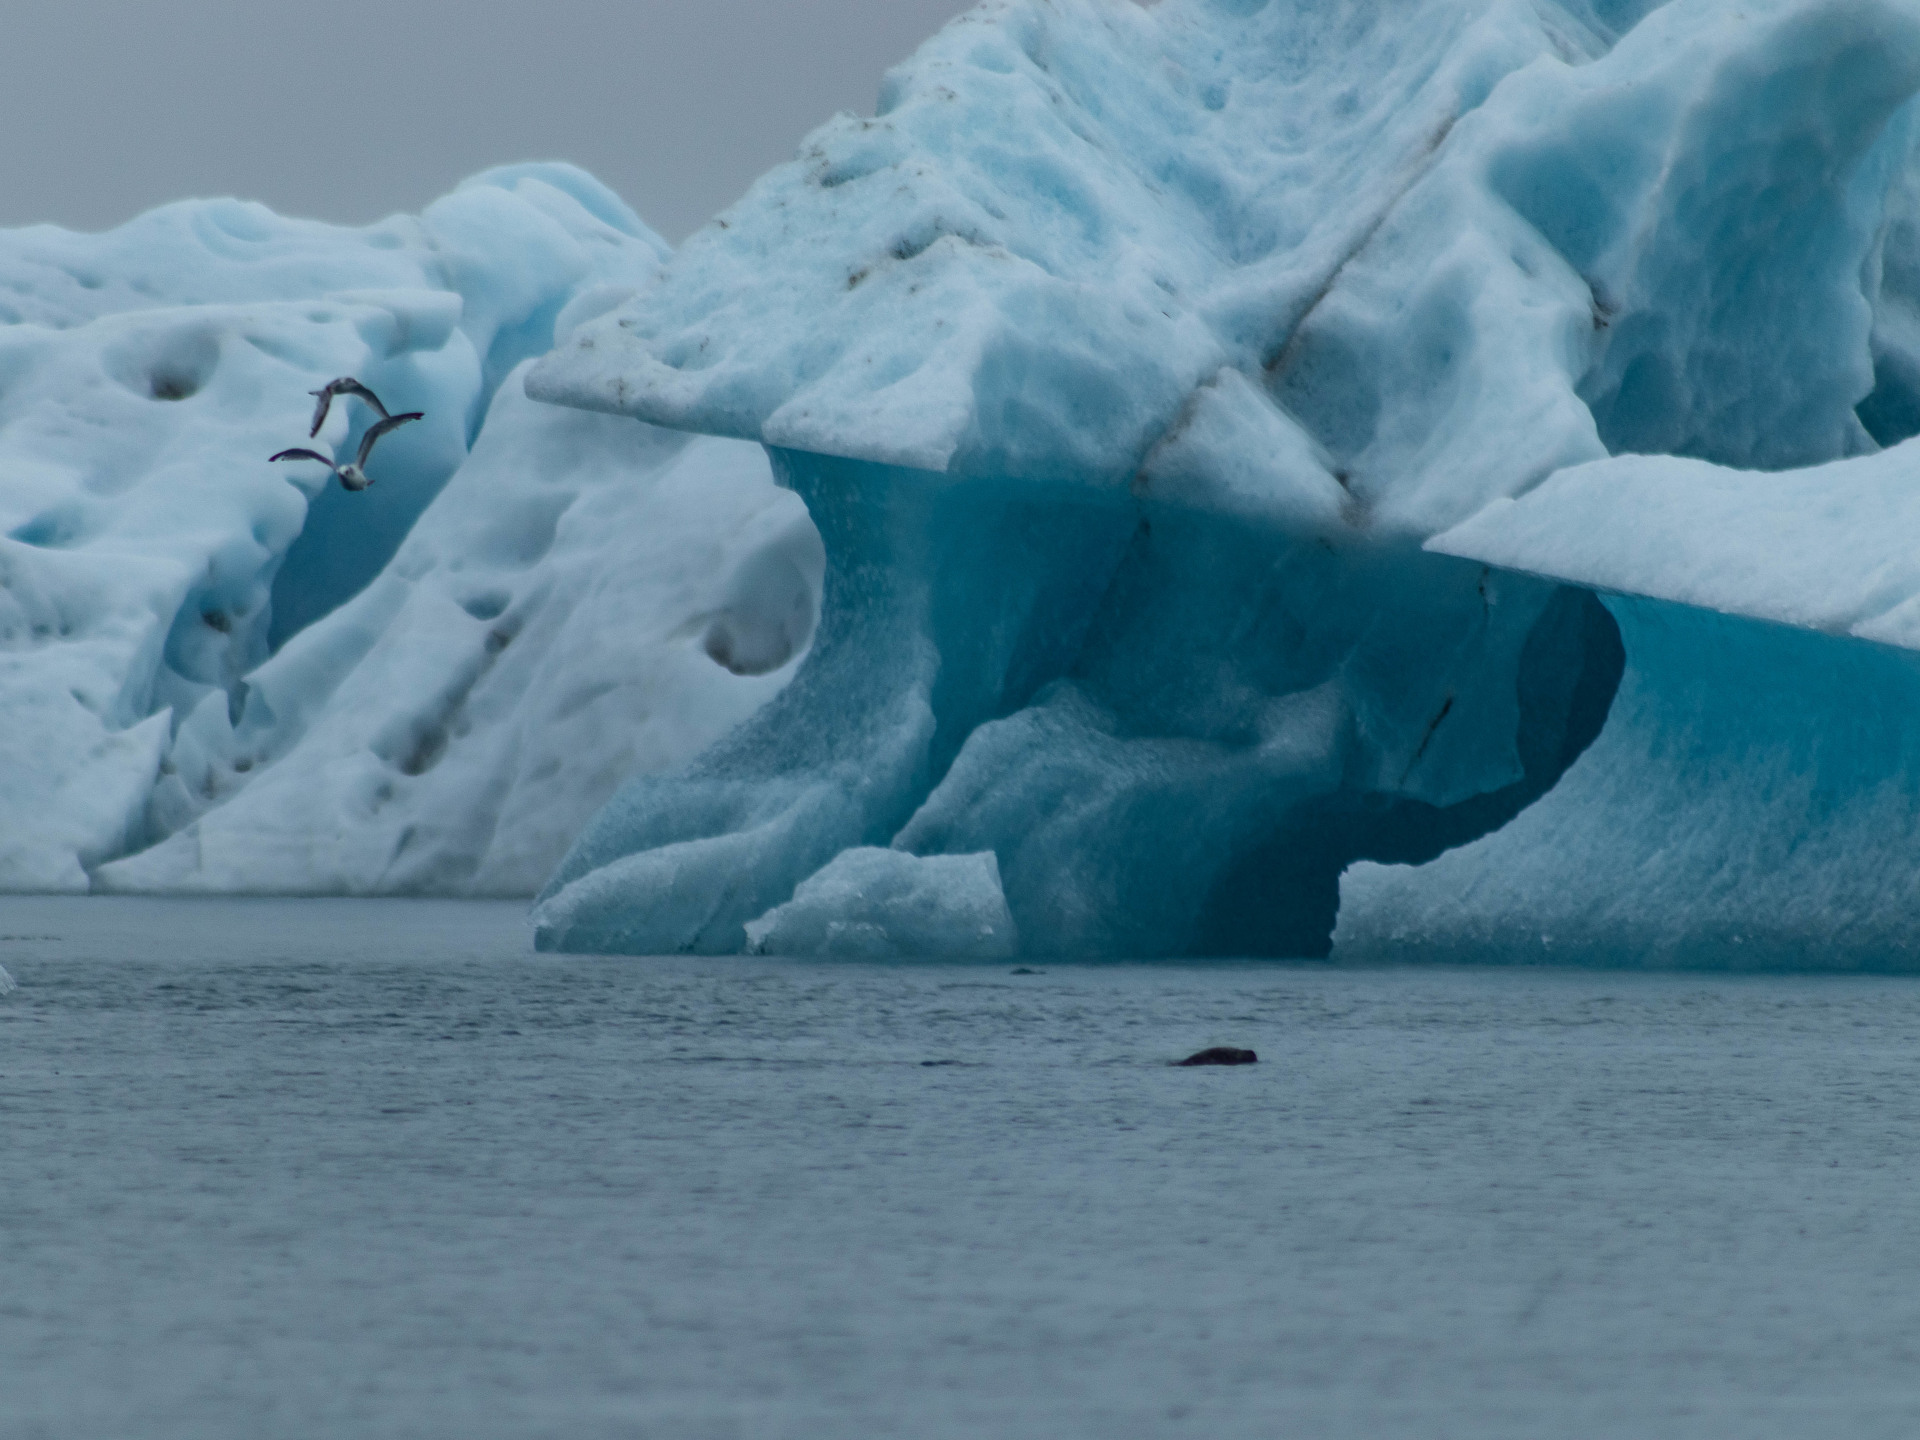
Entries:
{"x":1281,"y":898}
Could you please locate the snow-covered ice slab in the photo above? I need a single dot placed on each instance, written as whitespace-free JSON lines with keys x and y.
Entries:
{"x":178,"y":617}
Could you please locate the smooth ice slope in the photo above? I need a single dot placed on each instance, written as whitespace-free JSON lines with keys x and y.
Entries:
{"x":1830,"y":548}
{"x":178,"y":617}
{"x":1128,"y":357}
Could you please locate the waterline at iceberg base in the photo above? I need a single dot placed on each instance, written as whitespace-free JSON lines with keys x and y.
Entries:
{"x":1171,"y":388}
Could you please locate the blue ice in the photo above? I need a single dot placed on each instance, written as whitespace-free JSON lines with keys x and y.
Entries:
{"x":1130,"y":359}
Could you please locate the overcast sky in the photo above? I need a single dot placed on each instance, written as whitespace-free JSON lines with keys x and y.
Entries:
{"x":352,"y":109}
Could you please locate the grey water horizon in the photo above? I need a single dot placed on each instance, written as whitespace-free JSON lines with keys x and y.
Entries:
{"x":371,"y":1168}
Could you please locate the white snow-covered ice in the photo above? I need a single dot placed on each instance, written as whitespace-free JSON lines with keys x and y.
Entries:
{"x":586,"y":599}
{"x":224,"y":675}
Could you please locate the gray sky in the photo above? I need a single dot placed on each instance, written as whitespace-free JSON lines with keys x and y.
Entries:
{"x":352,"y":109}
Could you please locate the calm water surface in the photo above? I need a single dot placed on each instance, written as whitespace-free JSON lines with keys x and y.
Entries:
{"x":368,"y":1169}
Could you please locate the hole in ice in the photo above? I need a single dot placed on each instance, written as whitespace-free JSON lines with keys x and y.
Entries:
{"x":426,"y":753}
{"x":486,"y":606}
{"x":169,"y":365}
{"x":51,"y":529}
{"x":722,"y":645}
{"x":772,"y":602}
{"x":847,"y":171}
{"x":758,"y":643}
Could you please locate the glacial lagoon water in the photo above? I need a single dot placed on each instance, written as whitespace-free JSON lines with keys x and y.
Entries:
{"x":371,"y":1168}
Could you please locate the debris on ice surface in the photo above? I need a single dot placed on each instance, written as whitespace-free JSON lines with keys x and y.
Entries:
{"x":874,"y":903}
{"x":184,"y":626}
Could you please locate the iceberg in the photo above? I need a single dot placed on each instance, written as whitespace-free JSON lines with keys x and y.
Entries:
{"x":223,"y":675}
{"x":1220,"y":419}
{"x":1223,"y":477}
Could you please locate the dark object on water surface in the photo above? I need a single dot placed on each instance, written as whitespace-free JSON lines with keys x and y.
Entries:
{"x":1221,"y":1055}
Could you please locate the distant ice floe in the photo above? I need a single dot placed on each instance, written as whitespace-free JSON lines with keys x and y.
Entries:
{"x":223,"y":675}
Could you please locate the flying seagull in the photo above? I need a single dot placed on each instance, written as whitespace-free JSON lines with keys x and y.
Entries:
{"x":354,"y":476}
{"x":345,"y":385}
